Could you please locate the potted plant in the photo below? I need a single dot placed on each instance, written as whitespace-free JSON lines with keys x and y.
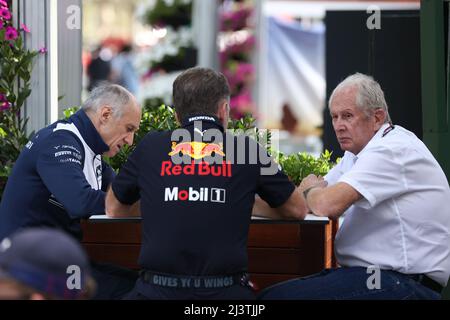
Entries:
{"x":15,"y":73}
{"x":297,"y":166}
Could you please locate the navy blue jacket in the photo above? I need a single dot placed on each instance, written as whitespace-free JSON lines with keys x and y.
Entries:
{"x":58,"y":178}
{"x":196,"y":215}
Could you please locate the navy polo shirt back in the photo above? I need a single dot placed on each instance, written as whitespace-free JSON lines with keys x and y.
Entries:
{"x":196,"y":215}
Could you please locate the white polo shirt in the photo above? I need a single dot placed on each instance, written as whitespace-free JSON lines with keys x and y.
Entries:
{"x":402,"y":223}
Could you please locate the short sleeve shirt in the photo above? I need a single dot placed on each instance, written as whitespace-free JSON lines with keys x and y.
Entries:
{"x":402,"y":222}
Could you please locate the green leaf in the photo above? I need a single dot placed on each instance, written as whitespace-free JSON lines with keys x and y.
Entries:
{"x":3,"y":83}
{"x":298,"y":166}
{"x":23,"y":94}
{"x":70,"y":111}
{"x":15,"y":69}
{"x":19,"y":42}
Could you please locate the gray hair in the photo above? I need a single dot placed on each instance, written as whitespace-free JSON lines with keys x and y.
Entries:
{"x":369,"y":95}
{"x":113,"y":95}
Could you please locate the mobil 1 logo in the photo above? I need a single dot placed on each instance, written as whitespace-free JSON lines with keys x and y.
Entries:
{"x":203,"y":194}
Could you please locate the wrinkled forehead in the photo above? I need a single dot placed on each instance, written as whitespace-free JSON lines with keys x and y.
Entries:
{"x":132,"y":108}
{"x":132,"y":114}
{"x":133,"y":103}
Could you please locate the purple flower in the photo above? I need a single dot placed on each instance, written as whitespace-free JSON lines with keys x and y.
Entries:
{"x":24,"y":28}
{"x":2,"y":97}
{"x":244,"y":70}
{"x":242,"y":104}
{"x":5,"y":14}
{"x":236,"y":19}
{"x":43,"y":50}
{"x":5,"y":106}
{"x":11,"y":33}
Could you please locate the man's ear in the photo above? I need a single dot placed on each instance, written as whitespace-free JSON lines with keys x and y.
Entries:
{"x":105,"y":113}
{"x":380,"y":117}
{"x":223,"y":111}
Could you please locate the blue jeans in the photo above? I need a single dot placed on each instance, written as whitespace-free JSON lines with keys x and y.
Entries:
{"x":349,"y":283}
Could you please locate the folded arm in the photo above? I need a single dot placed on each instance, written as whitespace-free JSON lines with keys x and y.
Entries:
{"x":329,"y":201}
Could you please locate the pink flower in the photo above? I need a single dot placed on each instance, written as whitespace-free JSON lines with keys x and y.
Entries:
{"x":238,"y":51}
{"x":236,"y":19}
{"x":242,"y":104}
{"x":24,"y":28}
{"x":244,"y":70}
{"x":43,"y":50}
{"x":11,"y":33}
{"x":1,"y":24}
{"x":5,"y":14}
{"x":5,"y":106}
{"x":3,"y":3}
{"x":239,"y":74}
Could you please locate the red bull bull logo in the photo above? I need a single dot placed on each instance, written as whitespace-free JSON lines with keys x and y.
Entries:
{"x":197,"y":150}
{"x":201,"y":169}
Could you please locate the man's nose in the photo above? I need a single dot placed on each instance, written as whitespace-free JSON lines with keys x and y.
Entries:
{"x":129,"y":138}
{"x":338,"y":125}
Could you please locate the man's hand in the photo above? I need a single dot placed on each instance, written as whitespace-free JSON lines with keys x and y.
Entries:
{"x":293,"y":208}
{"x":115,"y":209}
{"x":312,"y":181}
{"x":326,"y":201}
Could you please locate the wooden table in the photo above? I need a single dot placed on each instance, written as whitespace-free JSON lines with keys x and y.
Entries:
{"x":277,"y":249}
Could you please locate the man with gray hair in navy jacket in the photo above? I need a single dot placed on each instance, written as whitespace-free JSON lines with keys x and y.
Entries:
{"x":60,"y":176}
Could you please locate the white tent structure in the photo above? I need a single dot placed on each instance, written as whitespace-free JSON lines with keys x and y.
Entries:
{"x":291,"y":56}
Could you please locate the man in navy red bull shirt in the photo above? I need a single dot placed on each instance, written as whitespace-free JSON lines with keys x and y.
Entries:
{"x":60,"y":176}
{"x":196,"y":187}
